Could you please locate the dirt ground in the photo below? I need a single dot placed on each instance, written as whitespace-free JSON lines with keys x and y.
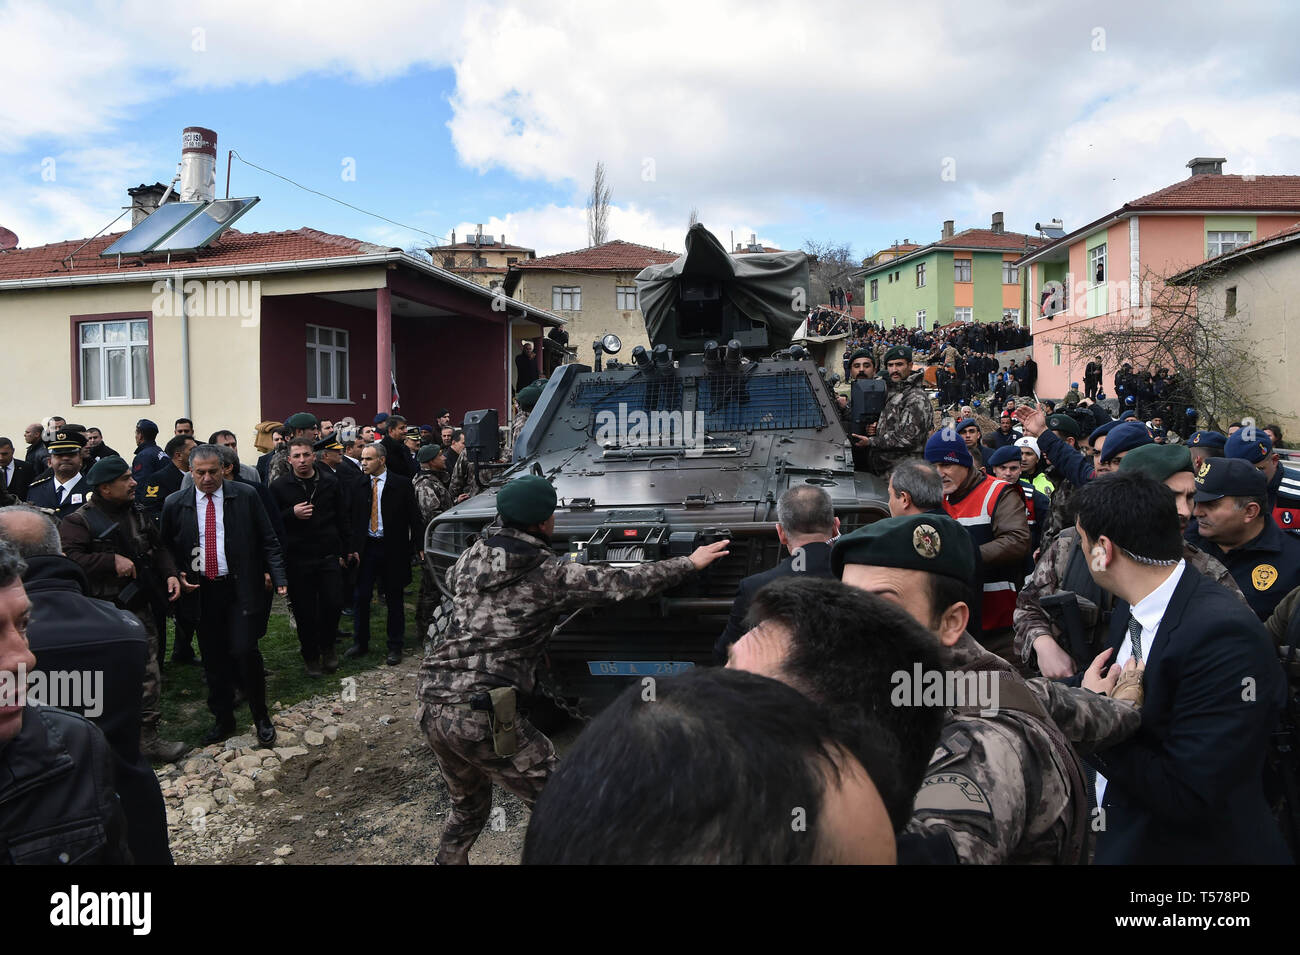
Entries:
{"x":373,"y":798}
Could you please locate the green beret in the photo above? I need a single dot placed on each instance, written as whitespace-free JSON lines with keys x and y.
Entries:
{"x":428,"y":453}
{"x":301,"y":421}
{"x":1160,"y":461}
{"x":898,"y":351}
{"x":1065,"y":424}
{"x":529,"y":394}
{"x":934,"y":543}
{"x":526,"y":500}
{"x":107,"y":469}
{"x":862,"y":353}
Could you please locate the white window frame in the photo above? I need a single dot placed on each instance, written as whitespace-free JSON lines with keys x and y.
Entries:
{"x":1010,"y":273}
{"x":1097,"y":256}
{"x":621,"y":295}
{"x":1218,"y":242}
{"x":316,"y":351}
{"x":962,"y":267}
{"x":1012,"y":313}
{"x":101,"y":350}
{"x":963,"y":313}
{"x":875,"y":290}
{"x":920,"y":319}
{"x":566,"y":293}
{"x":920,"y":275}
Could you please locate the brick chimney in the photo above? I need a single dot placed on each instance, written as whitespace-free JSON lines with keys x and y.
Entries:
{"x":947,"y":228}
{"x":1207,"y":165}
{"x":144,"y":200}
{"x":997,"y":223}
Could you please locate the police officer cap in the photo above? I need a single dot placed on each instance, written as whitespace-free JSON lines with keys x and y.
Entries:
{"x":428,"y":453}
{"x":1208,"y":439}
{"x":301,"y":421}
{"x":1125,"y":436}
{"x":1030,"y":443}
{"x":526,"y":500}
{"x":898,"y":351}
{"x":934,"y":543}
{"x":107,"y":469}
{"x":1102,"y":431}
{"x":529,"y":394}
{"x":1003,"y":455}
{"x":332,"y":443}
{"x":1229,"y":477}
{"x":146,"y":427}
{"x":1254,"y":450}
{"x":1160,"y":461}
{"x":965,"y":423}
{"x":1065,"y":424}
{"x":862,"y":353}
{"x":66,"y":442}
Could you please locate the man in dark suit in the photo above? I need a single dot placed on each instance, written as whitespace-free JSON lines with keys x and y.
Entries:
{"x":1188,"y":788}
{"x":389,"y":533}
{"x":70,"y":632}
{"x":220,"y":532}
{"x":400,"y":461}
{"x":805,"y":524}
{"x":525,"y":367}
{"x":62,"y":490}
{"x":153,"y":492}
{"x":15,"y":474}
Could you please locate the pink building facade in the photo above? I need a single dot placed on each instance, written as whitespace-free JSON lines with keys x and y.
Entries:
{"x":1107,"y":270}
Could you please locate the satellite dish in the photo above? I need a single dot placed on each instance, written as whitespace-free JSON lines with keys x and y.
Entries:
{"x":8,"y":240}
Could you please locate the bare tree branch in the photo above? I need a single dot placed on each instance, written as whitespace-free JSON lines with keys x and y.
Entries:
{"x":598,"y":207}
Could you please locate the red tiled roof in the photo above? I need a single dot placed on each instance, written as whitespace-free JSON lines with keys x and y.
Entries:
{"x":233,"y":248}
{"x":1220,"y":262}
{"x":615,"y":256}
{"x":1225,"y":192}
{"x":988,"y":239}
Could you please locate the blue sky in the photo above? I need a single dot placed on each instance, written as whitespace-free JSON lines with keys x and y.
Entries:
{"x":457,"y":115}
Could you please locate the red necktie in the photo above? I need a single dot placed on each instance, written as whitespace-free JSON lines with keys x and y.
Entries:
{"x":210,"y":537}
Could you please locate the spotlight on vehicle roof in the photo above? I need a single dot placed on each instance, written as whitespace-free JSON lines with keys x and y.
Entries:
{"x":734,"y":351}
{"x":640,"y":357}
{"x":663,"y":357}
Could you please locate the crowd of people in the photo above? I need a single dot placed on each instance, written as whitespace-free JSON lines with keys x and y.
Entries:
{"x":1082,"y":641}
{"x":101,"y":550}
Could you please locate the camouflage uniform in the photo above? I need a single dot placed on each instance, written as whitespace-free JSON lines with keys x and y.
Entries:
{"x":85,"y":543}
{"x":279,"y":465}
{"x":521,"y":419}
{"x":1008,"y":787}
{"x":509,"y":592}
{"x":432,"y":497}
{"x":1032,"y":621}
{"x":464,"y":478}
{"x":905,"y":423}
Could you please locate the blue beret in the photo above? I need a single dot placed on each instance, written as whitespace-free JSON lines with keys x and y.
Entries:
{"x":948,"y":450}
{"x":965,"y":423}
{"x":145,"y":426}
{"x":1254,"y":450}
{"x":1208,"y":439}
{"x":1125,"y":436}
{"x":1102,"y":431}
{"x":1003,"y":455}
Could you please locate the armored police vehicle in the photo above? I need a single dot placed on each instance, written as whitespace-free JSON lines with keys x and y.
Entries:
{"x":662,"y":450}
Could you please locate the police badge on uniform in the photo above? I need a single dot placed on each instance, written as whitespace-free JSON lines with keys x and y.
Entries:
{"x":1263,"y":576}
{"x":925,"y":540}
{"x":1203,"y":470}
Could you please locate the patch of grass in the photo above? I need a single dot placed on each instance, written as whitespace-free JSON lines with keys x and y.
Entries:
{"x":185,"y":695}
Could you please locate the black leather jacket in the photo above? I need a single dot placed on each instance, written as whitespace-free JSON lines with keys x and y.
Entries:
{"x":57,"y":802}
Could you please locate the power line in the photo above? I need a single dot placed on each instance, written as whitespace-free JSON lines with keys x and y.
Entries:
{"x":403,"y":225}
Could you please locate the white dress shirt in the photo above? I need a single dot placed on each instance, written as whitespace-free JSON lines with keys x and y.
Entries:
{"x":379,"y":507}
{"x":1148,"y":611}
{"x":70,"y":486}
{"x":201,"y":503}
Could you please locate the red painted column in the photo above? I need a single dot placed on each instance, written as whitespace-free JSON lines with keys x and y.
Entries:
{"x":384,"y":349}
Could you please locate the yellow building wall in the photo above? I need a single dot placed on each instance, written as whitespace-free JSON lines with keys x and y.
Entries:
{"x":598,"y":316}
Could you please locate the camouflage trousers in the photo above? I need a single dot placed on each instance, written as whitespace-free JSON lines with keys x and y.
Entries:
{"x":151,"y":693}
{"x":430,"y":597}
{"x":462,"y":743}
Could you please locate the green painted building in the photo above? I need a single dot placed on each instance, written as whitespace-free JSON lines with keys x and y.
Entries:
{"x":968,"y":276}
